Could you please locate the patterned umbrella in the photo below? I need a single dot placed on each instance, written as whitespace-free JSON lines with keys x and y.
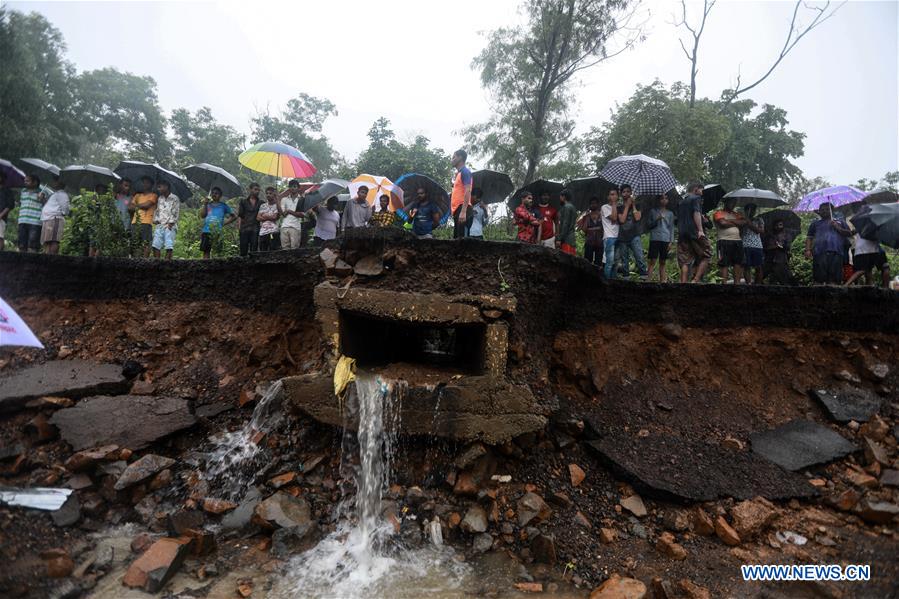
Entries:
{"x":278,"y":160}
{"x":86,"y":176}
{"x":410,"y":182}
{"x":537,"y":188}
{"x":36,"y":166}
{"x":645,"y":174}
{"x":135,"y":170}
{"x":14,"y":177}
{"x":760,"y":197}
{"x":495,"y":187}
{"x":206,"y":176}
{"x":839,"y":195}
{"x":377,"y":186}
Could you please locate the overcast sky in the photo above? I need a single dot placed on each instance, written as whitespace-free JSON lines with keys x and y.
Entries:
{"x":410,"y":62}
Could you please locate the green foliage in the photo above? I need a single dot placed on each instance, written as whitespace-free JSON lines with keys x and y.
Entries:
{"x":388,"y":157}
{"x":94,"y":221}
{"x":190,"y":226}
{"x":199,"y":137}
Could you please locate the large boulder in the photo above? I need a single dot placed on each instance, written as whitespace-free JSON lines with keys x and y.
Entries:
{"x":60,"y":378}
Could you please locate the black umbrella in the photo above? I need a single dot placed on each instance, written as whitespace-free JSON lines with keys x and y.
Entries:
{"x":880,"y":222}
{"x":495,"y":186}
{"x":712,"y":196}
{"x":14,"y":177}
{"x":760,"y":197}
{"x":206,"y":176}
{"x":589,"y":187}
{"x":136,"y":170}
{"x":881,"y":196}
{"x":410,"y":182}
{"x":326,"y":189}
{"x":86,"y":176}
{"x":36,"y":166}
{"x":791,"y":220}
{"x":537,"y":188}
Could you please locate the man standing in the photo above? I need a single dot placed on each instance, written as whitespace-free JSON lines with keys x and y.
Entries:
{"x":53,"y":221}
{"x":477,"y":218}
{"x":215,"y":214}
{"x":693,"y":246}
{"x":611,"y":221}
{"x":753,"y":251}
{"x":327,"y":220}
{"x":383,"y":218}
{"x":868,"y":256}
{"x":566,"y":238}
{"x":7,"y":203}
{"x":661,"y":234}
{"x":629,"y":238}
{"x":165,"y":219}
{"x":293,"y":227}
{"x":144,"y":206}
{"x":525,"y":220}
{"x":461,"y":198}
{"x":550,"y":217}
{"x":777,"y":244}
{"x":730,"y":244}
{"x":31,"y":201}
{"x":123,"y":201}
{"x":824,"y":245}
{"x":247,"y":224}
{"x":357,"y":212}
{"x":424,"y":213}
{"x":591,"y":224}
{"x":269,"y":213}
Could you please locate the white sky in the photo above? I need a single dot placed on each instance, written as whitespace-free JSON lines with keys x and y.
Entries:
{"x":410,"y":62}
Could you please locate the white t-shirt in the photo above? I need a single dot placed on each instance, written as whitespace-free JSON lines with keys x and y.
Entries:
{"x":326,"y":223}
{"x":609,"y":228}
{"x":865,"y":246}
{"x":290,"y":221}
{"x":57,"y":205}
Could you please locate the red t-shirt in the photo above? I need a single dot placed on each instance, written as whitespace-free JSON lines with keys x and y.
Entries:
{"x":547,"y":229}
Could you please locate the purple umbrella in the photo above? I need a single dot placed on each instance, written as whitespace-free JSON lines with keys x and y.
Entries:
{"x":839,"y":195}
{"x":14,"y":177}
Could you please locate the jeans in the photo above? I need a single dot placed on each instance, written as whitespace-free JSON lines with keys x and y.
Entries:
{"x":609,"y":251}
{"x":249,"y":241}
{"x":624,"y":250}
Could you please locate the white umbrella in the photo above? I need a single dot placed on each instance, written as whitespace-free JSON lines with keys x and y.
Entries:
{"x":13,"y":330}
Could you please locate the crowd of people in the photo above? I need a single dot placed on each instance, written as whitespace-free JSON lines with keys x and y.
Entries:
{"x":613,"y":231}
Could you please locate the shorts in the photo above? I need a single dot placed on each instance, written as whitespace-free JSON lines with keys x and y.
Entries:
{"x":29,"y":237}
{"x":205,"y":242}
{"x":145,"y":232}
{"x":689,"y":250}
{"x":549,"y":243}
{"x":2,"y":229}
{"x":730,"y":253}
{"x":753,"y":257}
{"x":163,"y":236}
{"x":568,"y":249}
{"x":52,"y":230}
{"x":658,"y":250}
{"x":866,"y":262}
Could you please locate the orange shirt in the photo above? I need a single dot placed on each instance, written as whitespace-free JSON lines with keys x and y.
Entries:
{"x":461,"y":181}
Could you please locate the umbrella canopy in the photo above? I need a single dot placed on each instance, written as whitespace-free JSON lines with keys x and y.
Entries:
{"x":760,"y":197}
{"x":323,"y":191}
{"x":135,"y":170}
{"x":86,"y":176}
{"x":206,"y":176}
{"x":537,"y":188}
{"x":839,"y":195}
{"x":712,"y":196}
{"x":791,"y":220}
{"x":14,"y":177}
{"x":278,"y":160}
{"x":495,"y":186}
{"x":645,"y":174}
{"x":881,"y":196}
{"x":410,"y":182}
{"x":14,"y":331}
{"x":588,"y":187}
{"x":880,"y":222}
{"x":36,"y":166}
{"x":377,"y":186}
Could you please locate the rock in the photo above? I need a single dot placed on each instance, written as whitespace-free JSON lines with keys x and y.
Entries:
{"x":69,"y":513}
{"x":341,"y":269}
{"x":282,"y":511}
{"x":59,"y":563}
{"x":860,"y":479}
{"x":634,"y":504}
{"x":152,"y":570}
{"x":663,"y":589}
{"x":465,"y":485}
{"x":50,"y":402}
{"x":469,"y":455}
{"x":78,"y":482}
{"x":877,"y":512}
{"x":617,"y":587}
{"x":294,"y":539}
{"x":142,"y":469}
{"x":141,"y":387}
{"x":817,"y":482}
{"x":132,"y":421}
{"x":415,"y":496}
{"x":141,"y":542}
{"x":724,"y":531}
{"x":799,"y":444}
{"x":607,"y":536}
{"x":202,"y":542}
{"x":60,"y":378}
{"x":531,"y":506}
{"x":182,"y":520}
{"x":475,"y":520}
{"x":576,"y":474}
{"x":693,"y":591}
{"x":848,"y":404}
{"x":482,"y":543}
{"x":672,"y":331}
{"x":529,"y":587}
{"x":161,"y":480}
{"x":311,"y":464}
{"x":847,"y":500}
{"x":875,"y":452}
{"x":543,"y":548}
{"x":875,"y":429}
{"x":874,"y":371}
{"x":732,"y":443}
{"x":282,"y":479}
{"x":845,"y":375}
{"x":890,"y":478}
{"x":560,"y":500}
{"x":218,"y":506}
{"x":581,"y":520}
{"x":676,"y":519}
{"x":87,"y":459}
{"x":369,"y":266}
{"x":667,"y":545}
{"x":328,"y":258}
{"x":751,"y":517}
{"x":40,"y":429}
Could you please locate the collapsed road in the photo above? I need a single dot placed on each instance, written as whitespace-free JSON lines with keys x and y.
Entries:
{"x":593,"y":433}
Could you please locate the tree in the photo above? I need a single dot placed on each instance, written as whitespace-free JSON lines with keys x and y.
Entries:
{"x":889,"y":182}
{"x":36,"y":117}
{"x":529,"y":69}
{"x":391,"y":158}
{"x":300,"y":125}
{"x":199,"y":137}
{"x":696,"y":33}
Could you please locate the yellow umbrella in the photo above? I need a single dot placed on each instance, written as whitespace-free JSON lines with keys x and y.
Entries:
{"x":377,"y":186}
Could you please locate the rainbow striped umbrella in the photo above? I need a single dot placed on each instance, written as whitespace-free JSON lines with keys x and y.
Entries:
{"x":278,"y":160}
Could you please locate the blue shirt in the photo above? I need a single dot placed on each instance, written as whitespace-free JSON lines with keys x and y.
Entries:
{"x":826,"y":238}
{"x":215,"y":214}
{"x":423,"y":221}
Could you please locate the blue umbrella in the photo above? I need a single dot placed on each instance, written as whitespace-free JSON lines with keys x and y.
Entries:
{"x":14,"y":177}
{"x":839,"y":195}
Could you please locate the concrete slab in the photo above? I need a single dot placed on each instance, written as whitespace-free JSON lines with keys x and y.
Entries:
{"x":843,"y":405}
{"x":62,"y":378}
{"x":132,"y":421}
{"x":799,"y":444}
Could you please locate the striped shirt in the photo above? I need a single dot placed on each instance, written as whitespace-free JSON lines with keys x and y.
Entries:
{"x":30,"y":207}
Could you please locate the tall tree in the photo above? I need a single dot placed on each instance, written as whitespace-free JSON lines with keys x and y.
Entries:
{"x":36,"y":117}
{"x":199,"y":137}
{"x":391,"y":158}
{"x":696,"y":33}
{"x":528,"y":71}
